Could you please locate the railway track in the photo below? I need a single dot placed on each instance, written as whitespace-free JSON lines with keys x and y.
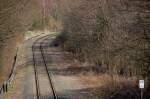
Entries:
{"x":43,"y":78}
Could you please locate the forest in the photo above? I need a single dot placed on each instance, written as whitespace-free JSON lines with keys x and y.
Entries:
{"x":111,"y":35}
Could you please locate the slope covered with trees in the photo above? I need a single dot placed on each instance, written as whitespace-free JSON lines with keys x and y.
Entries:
{"x":114,"y":35}
{"x":16,"y":16}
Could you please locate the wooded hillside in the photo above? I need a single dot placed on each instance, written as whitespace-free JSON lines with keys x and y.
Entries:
{"x":114,"y":35}
{"x":110,"y":33}
{"x":16,"y":16}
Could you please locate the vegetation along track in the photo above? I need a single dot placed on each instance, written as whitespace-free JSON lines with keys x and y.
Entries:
{"x":42,"y":75}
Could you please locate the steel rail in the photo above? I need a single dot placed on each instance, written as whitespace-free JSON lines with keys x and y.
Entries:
{"x":35,"y":72}
{"x":49,"y":74}
{"x":35,"y":67}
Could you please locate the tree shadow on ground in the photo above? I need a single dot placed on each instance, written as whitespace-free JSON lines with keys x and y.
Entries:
{"x":98,"y":93}
{"x":75,"y":70}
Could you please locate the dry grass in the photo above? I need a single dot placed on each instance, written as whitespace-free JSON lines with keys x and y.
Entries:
{"x":8,"y":53}
{"x":104,"y":86}
{"x":115,"y":85}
